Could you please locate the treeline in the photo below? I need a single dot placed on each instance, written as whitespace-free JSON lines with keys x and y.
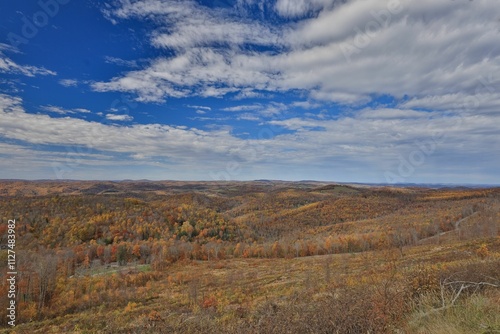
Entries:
{"x":72,"y":220}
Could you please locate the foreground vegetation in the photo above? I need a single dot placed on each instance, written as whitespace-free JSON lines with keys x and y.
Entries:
{"x":266,"y":257}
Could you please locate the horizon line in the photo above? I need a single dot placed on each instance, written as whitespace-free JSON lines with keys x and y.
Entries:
{"x":261,"y":180}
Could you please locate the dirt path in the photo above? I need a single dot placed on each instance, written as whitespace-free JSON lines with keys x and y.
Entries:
{"x":456,"y":227}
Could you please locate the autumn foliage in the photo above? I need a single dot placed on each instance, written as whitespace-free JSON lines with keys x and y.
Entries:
{"x":119,"y":247}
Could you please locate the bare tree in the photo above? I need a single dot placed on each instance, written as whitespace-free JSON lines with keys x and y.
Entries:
{"x":46,"y":269}
{"x":451,"y":289}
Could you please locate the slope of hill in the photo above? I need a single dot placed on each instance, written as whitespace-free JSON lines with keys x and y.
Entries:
{"x":237,"y":257}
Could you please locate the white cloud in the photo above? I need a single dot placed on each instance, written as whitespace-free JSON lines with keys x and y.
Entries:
{"x":248,"y":117}
{"x":151,"y":139}
{"x":243,"y":108}
{"x":306,"y":104}
{"x":416,"y":50}
{"x":198,"y":71}
{"x":121,"y":62}
{"x":57,"y":110}
{"x":370,"y":139}
{"x":82,"y":110}
{"x":438,"y":55}
{"x":188,"y":35}
{"x":11,"y":104}
{"x":187,"y":18}
{"x":198,"y":67}
{"x":9,"y":66}
{"x":460,"y":102}
{"x":114,"y":117}
{"x":68,"y":82}
{"x":64,"y":111}
{"x":273,"y":109}
{"x":347,"y":53}
{"x":249,"y":93}
{"x":394,"y":114}
{"x":200,"y":107}
{"x":259,"y":110}
{"x":299,"y":8}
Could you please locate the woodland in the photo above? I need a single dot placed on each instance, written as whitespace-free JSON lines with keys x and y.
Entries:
{"x":250,"y":257}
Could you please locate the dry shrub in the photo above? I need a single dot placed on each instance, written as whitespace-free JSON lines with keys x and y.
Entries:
{"x":483,"y":251}
{"x":487,"y":270}
{"x":209,"y":302}
{"x":152,"y":320}
{"x":422,"y":280}
{"x":367,"y":309}
{"x":468,"y":278}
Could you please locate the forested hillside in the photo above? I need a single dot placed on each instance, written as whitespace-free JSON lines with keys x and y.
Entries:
{"x":238,"y":255}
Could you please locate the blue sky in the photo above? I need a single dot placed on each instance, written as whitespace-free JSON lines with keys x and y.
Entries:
{"x":364,"y":91}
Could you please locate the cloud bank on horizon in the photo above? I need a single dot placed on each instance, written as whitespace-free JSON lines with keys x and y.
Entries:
{"x":368,"y":91}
